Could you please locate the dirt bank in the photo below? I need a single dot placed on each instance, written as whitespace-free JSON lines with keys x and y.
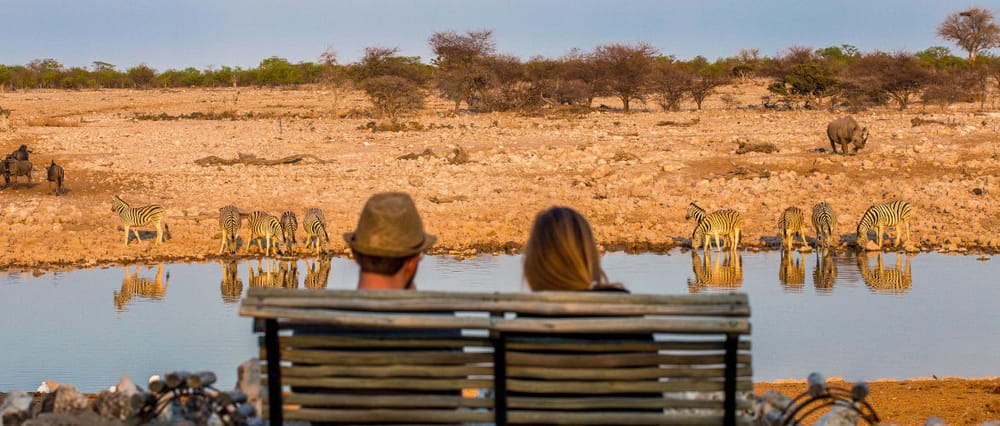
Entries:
{"x":632,"y":175}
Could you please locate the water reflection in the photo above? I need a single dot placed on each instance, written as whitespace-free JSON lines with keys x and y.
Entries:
{"x":792,"y":271}
{"x":897,"y":280}
{"x":288,"y":274}
{"x":722,"y":270}
{"x":135,"y":286}
{"x":825,"y":272}
{"x":231,"y":286}
{"x":318,"y":272}
{"x":267,"y":274}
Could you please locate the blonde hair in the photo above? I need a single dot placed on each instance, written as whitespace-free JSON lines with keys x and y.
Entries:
{"x":561,"y":253}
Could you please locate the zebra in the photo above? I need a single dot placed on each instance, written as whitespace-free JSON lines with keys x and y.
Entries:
{"x":231,"y":286}
{"x":318,"y":273}
{"x":262,"y":225}
{"x":894,"y":213}
{"x":289,"y":223}
{"x":790,"y":223}
{"x":133,"y":217}
{"x":55,"y":173}
{"x":792,"y":273}
{"x":695,"y":212}
{"x":725,"y":271}
{"x":881,"y":279}
{"x":229,"y":222}
{"x":718,"y":223}
{"x":133,"y":285}
{"x":315,"y":226}
{"x":824,"y":220}
{"x":288,"y":274}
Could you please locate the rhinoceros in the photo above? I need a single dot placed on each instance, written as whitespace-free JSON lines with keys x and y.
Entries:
{"x":845,"y":131}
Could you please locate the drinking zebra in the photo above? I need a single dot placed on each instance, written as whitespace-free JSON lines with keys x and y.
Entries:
{"x":229,"y":222}
{"x":695,"y":212}
{"x":133,"y":217}
{"x":824,"y":220}
{"x":289,"y":223}
{"x":718,"y":224}
{"x":262,"y":225}
{"x":315,"y":226}
{"x":791,"y":223}
{"x":894,"y":213}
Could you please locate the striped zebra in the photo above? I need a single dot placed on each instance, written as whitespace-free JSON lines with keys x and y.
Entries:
{"x":289,"y":224}
{"x":888,"y":280}
{"x":695,"y":212}
{"x":288,"y":274}
{"x":880,"y":216}
{"x":791,"y":223}
{"x":315,"y":226}
{"x":318,"y":273}
{"x":262,"y":225}
{"x":135,"y":286}
{"x":229,"y":222}
{"x":718,"y":224}
{"x":824,"y":221}
{"x":231,"y":286}
{"x":723,"y":271}
{"x":133,"y":217}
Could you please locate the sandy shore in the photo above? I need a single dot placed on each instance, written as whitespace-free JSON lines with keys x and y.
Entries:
{"x":631,"y":175}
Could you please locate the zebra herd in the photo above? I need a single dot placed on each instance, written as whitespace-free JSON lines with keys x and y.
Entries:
{"x":271,"y":231}
{"x":727,"y":224}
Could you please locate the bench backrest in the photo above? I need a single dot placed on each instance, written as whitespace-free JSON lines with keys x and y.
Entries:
{"x":564,"y":357}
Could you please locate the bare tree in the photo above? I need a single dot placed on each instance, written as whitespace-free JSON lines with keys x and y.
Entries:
{"x":974,"y":30}
{"x":462,"y":63}
{"x":626,"y":70}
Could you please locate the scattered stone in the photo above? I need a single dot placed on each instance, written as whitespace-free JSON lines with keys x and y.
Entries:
{"x":248,"y":382}
{"x":15,"y":408}
{"x":70,"y":400}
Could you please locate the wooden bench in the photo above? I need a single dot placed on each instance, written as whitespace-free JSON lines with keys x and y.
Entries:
{"x":421,"y":357}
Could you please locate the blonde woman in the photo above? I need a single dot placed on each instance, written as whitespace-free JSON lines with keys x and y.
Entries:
{"x":561,"y":254}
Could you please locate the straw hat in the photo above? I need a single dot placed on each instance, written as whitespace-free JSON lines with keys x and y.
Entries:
{"x":389,"y":227}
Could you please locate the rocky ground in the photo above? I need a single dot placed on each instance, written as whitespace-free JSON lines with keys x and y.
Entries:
{"x":478,"y":179}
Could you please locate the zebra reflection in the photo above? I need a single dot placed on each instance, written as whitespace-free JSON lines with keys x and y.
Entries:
{"x":318,"y":273}
{"x":267,"y":274}
{"x":825,"y":273}
{"x":894,"y":280}
{"x":288,"y":274}
{"x":135,"y":286}
{"x":231,"y":286}
{"x":792,"y":273}
{"x":723,"y":270}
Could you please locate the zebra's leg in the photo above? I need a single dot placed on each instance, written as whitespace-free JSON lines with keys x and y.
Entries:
{"x":159,"y":232}
{"x":225,"y":242}
{"x":126,"y":235}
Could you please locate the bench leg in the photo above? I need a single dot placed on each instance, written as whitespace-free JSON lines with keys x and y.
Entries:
{"x":732,"y":349}
{"x":500,"y":379}
{"x":274,"y":396}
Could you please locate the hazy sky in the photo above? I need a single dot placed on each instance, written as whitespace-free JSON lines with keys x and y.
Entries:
{"x":177,"y":34}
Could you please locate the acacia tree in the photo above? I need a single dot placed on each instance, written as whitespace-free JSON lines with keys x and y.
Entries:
{"x":705,"y":77}
{"x":462,"y":62}
{"x":974,"y":30}
{"x":626,"y":70}
{"x":884,"y":76}
{"x":670,"y":83}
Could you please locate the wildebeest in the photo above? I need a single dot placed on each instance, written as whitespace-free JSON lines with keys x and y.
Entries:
{"x":55,"y":174}
{"x":845,"y":131}
{"x":21,"y":153}
{"x":13,"y":167}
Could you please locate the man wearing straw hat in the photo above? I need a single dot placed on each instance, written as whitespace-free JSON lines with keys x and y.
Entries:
{"x":388,"y":242}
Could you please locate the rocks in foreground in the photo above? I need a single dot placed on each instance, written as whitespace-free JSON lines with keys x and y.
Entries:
{"x":166,"y":402}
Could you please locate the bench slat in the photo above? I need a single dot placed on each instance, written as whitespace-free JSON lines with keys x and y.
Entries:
{"x":387,"y":371}
{"x":616,"y":346}
{"x":590,"y":403}
{"x":383,"y":358}
{"x":617,"y":387}
{"x":383,"y":341}
{"x":619,"y":373}
{"x":376,"y":401}
{"x":418,"y":384}
{"x":616,"y":418}
{"x":523,"y":307}
{"x":614,"y":360}
{"x":383,"y":416}
{"x":624,"y":325}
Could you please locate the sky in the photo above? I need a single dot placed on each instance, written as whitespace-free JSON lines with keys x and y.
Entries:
{"x":207,"y":34}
